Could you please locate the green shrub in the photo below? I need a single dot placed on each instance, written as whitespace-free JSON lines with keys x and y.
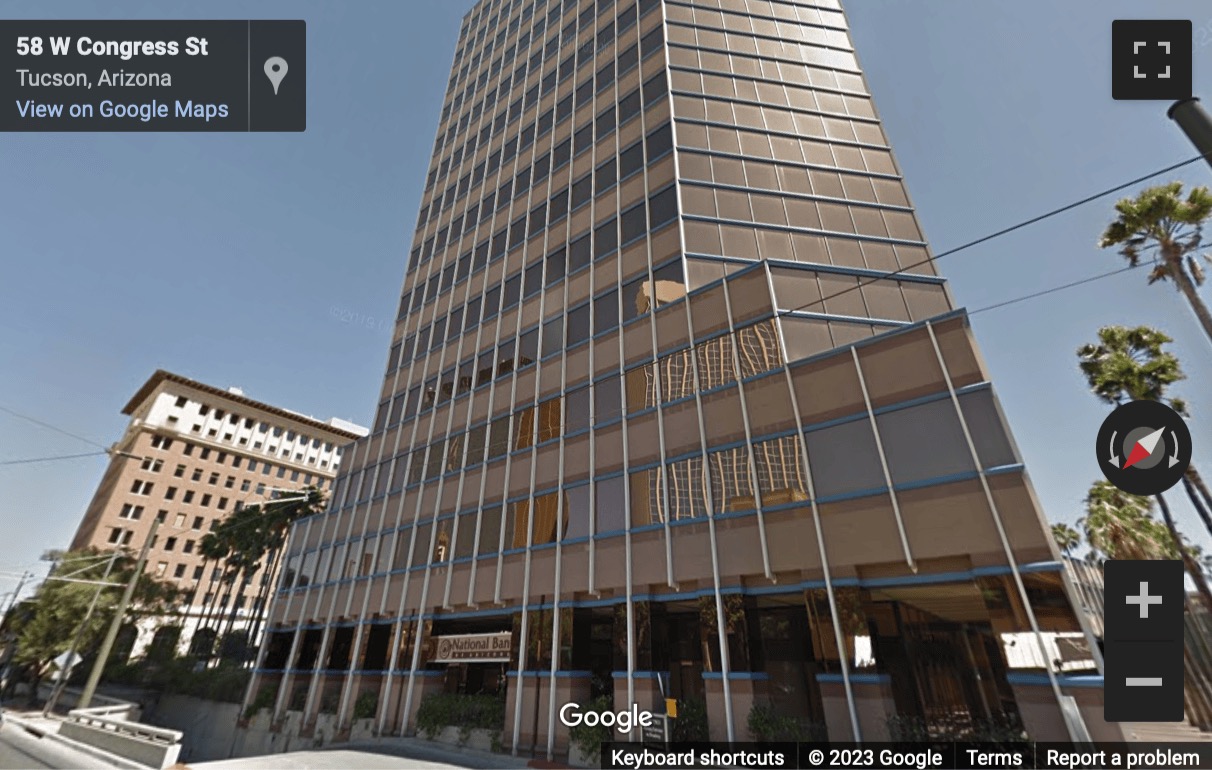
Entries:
{"x":264,"y":700}
{"x":767,"y":724}
{"x":589,"y":738}
{"x":467,"y":712}
{"x":691,"y":723}
{"x":366,"y":706}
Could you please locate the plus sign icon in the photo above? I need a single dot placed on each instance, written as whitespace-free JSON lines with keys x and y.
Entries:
{"x":1151,"y":59}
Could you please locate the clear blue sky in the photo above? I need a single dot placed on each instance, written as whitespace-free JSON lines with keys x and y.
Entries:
{"x":225,"y":256}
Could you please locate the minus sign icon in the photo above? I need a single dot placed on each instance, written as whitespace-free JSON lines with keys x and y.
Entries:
{"x":1144,"y":681}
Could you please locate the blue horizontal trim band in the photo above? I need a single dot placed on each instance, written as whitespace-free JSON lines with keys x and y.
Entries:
{"x":757,"y":676}
{"x":636,"y":674}
{"x":855,"y":678}
{"x":1032,"y":679}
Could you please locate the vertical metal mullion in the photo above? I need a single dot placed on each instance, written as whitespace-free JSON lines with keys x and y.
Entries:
{"x":830,"y":593}
{"x":1001,"y":532}
{"x":879,"y":448}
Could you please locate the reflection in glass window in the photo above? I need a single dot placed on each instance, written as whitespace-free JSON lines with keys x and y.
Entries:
{"x":731,"y":487}
{"x":757,"y":346}
{"x":546,"y":519}
{"x":780,"y":471}
{"x":640,"y":384}
{"x":715,"y":362}
{"x":524,"y":426}
{"x":611,"y":509}
{"x":676,"y":372}
{"x":687,"y":498}
{"x":647,"y":500}
{"x":550,"y":419}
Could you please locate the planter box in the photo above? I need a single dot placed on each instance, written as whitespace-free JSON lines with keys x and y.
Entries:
{"x":361,"y":730}
{"x":577,"y":759}
{"x":479,"y":738}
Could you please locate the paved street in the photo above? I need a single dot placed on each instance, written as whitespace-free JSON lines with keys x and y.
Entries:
{"x":21,"y":751}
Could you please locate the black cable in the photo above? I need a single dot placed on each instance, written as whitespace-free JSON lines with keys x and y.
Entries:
{"x":51,"y":427}
{"x":998,"y":234}
{"x":49,"y":459}
{"x":1062,"y":287}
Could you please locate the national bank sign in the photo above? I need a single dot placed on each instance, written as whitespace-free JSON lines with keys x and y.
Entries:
{"x":473,"y":648}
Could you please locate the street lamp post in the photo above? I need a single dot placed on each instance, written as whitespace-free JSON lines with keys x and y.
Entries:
{"x":1195,"y":123}
{"x":71,"y":651}
{"x":94,"y":676}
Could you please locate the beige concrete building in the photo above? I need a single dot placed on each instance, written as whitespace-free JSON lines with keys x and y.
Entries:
{"x":676,"y":404}
{"x":192,"y":454}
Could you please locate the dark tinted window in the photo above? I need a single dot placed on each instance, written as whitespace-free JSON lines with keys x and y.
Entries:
{"x":606,"y":312}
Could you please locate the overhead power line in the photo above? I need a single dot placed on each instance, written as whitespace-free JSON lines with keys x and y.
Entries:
{"x":48,"y":426}
{"x":999,"y":233}
{"x":1055,"y":289}
{"x":50,"y":459}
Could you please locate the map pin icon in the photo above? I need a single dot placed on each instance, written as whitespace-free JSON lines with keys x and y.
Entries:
{"x":275,"y":70}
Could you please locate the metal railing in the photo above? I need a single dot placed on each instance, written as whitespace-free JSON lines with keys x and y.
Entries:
{"x":102,"y":717}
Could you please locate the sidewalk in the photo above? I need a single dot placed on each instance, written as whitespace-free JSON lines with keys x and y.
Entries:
{"x":387,"y":754}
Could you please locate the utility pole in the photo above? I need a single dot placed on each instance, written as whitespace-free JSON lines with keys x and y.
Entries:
{"x":26,"y":575}
{"x":71,"y":651}
{"x":1195,"y":123}
{"x":94,"y":676}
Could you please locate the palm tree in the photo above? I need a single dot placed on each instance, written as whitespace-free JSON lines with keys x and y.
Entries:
{"x":1120,"y":525}
{"x":1130,"y":364}
{"x":1159,"y":218}
{"x":1067,"y":538}
{"x":248,"y":540}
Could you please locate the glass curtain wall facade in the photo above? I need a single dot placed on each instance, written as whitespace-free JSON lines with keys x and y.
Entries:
{"x":676,"y":403}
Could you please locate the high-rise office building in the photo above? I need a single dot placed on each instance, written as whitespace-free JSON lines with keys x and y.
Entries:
{"x":676,"y":406}
{"x":193,"y":454}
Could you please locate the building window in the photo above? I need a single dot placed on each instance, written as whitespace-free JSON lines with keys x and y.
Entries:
{"x":198,"y":520}
{"x":189,"y":497}
{"x":115,"y":534}
{"x":222,"y":503}
{"x":180,"y":472}
{"x":160,"y":442}
{"x":198,"y":573}
{"x":170,"y":543}
{"x":189,"y":449}
{"x":188,"y":547}
{"x":230,"y":482}
{"x":203,"y":410}
{"x":245,"y":485}
{"x":214,"y":479}
{"x":142,"y":488}
{"x":205,"y":453}
{"x":161,"y":568}
{"x":235,"y":462}
{"x":152,"y":465}
{"x":180,"y":521}
{"x":197,"y":475}
{"x":181,"y":401}
{"x":132,"y":512}
{"x":205,"y":501}
{"x":179,"y":572}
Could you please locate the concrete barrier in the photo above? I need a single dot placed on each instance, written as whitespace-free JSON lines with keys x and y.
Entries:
{"x":150,"y":746}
